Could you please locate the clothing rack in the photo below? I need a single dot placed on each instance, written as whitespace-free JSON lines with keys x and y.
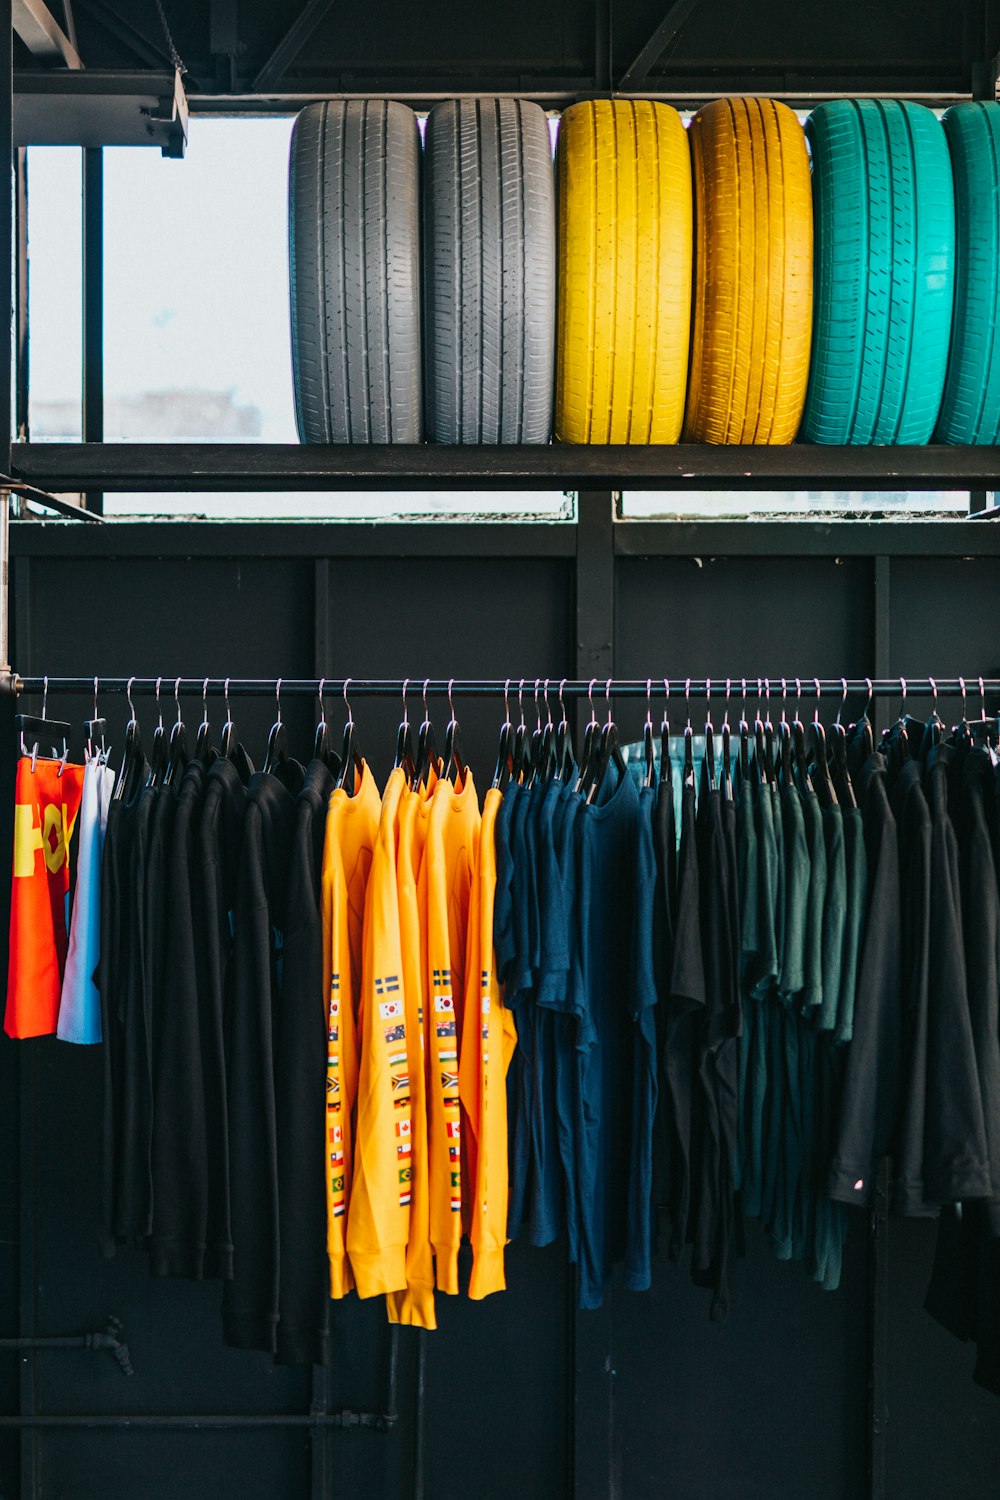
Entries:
{"x":721,"y":689}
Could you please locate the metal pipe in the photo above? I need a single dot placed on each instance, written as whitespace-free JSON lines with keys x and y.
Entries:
{"x":374,"y":1421}
{"x":832,"y":689}
{"x":4,"y":582}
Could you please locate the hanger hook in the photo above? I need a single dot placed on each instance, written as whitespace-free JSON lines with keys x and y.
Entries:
{"x":767,"y":699}
{"x":871,"y":694}
{"x":687,"y":700}
{"x":607,"y":698}
{"x":95,"y":696}
{"x":322,"y":705}
{"x":965,"y":707}
{"x":590,"y":699}
{"x":406,"y":716}
{"x":177,"y":698}
{"x":798,"y":699}
{"x":934,"y":691}
{"x":538,"y":711}
{"x":548,"y":707}
{"x":729,"y":689}
{"x":347,"y":702}
{"x":819,"y":694}
{"x":451,"y":706}
{"x":225,"y":699}
{"x":128,"y":695}
{"x":743,"y":703}
{"x":708,"y":699}
{"x":982,"y":699}
{"x":277,"y":697}
{"x":45,"y":695}
{"x":562,"y":706}
{"x":204,"y":700}
{"x":649,"y":701}
{"x":843,"y":700}
{"x":784,"y":700}
{"x":520,"y":701}
{"x":902,"y":698}
{"x":159,"y":710}
{"x":506,"y":700}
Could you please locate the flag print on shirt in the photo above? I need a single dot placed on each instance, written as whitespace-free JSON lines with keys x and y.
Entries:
{"x":395,"y":1034}
{"x":445,"y":1028}
{"x":443,"y":1003}
{"x":449,"y":1081}
{"x":402,"y":1081}
{"x":390,"y":1010}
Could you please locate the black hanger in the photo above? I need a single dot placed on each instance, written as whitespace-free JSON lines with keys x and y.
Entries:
{"x":403,"y":759}
{"x":351,"y":761}
{"x":133,"y":759}
{"x":276,"y":758}
{"x":454,"y":765}
{"x":610,"y":751}
{"x":821,"y":778}
{"x":521,"y":757}
{"x":768,"y":736}
{"x":864,"y":726}
{"x":709,"y":738}
{"x":203,"y":739}
{"x":228,"y":743}
{"x":41,"y":735}
{"x":505,"y":760}
{"x":665,"y":767}
{"x":547,"y":760}
{"x":565,"y":763}
{"x":839,"y":769}
{"x":322,"y":745}
{"x":648,"y":749}
{"x":158,"y":753}
{"x":534,"y":748}
{"x":727,"y":763}
{"x":96,"y":730}
{"x":425,"y":744}
{"x":802,"y":778}
{"x":744,"y":759}
{"x":688,"y":738}
{"x":591,"y":744}
{"x":177,"y":754}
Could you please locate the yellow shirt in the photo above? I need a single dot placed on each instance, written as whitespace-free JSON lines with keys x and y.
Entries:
{"x":351,"y":827}
{"x":416,"y":1304}
{"x":452,"y":839}
{"x":488,"y":1042}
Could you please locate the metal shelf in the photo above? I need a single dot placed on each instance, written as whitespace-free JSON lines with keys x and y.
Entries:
{"x":182,"y":467}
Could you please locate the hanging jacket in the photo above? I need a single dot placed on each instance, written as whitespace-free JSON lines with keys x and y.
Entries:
{"x":351,"y":827}
{"x":487,"y":1045}
{"x":452,"y":838}
{"x":415,"y":1304}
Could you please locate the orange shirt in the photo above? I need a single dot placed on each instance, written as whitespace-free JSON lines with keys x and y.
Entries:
{"x":46,"y":802}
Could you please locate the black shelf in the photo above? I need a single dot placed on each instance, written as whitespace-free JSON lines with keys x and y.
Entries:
{"x":156,"y":467}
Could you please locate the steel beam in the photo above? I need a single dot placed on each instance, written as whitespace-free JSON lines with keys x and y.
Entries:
{"x":638,"y":71}
{"x":93,"y":306}
{"x":42,"y":35}
{"x":291,"y":43}
{"x":147,"y":52}
{"x":22,"y":346}
{"x":185,"y":467}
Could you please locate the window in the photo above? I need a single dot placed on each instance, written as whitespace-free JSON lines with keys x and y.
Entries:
{"x":642,"y":505}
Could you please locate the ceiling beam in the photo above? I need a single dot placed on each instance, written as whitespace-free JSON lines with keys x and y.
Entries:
{"x":636,"y":74}
{"x":42,"y":35}
{"x":291,"y":44}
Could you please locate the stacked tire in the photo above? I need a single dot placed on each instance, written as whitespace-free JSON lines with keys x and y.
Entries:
{"x":707,"y":289}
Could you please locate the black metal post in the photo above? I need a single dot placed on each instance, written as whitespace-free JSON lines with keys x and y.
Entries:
{"x":22,"y":351}
{"x":93,"y":306}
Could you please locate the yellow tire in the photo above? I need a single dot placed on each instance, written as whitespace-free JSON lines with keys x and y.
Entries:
{"x":624,"y":302}
{"x":753,"y":274}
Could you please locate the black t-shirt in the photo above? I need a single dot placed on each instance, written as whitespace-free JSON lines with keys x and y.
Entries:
{"x":179,"y":1148}
{"x":250,"y":1298}
{"x":220,"y":844}
{"x":913,"y":820}
{"x":111,"y":979}
{"x":955,"y":1157}
{"x":686,"y":999}
{"x":981,"y":925}
{"x":872,"y":1073}
{"x":300,"y":1046}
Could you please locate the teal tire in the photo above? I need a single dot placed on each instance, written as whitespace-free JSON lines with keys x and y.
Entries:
{"x":970,"y":408}
{"x":884,"y":215}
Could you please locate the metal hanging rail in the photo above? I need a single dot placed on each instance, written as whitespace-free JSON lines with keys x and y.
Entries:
{"x":697,"y":689}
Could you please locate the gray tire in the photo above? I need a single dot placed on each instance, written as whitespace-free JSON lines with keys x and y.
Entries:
{"x":489,"y":272}
{"x":354,"y":273}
